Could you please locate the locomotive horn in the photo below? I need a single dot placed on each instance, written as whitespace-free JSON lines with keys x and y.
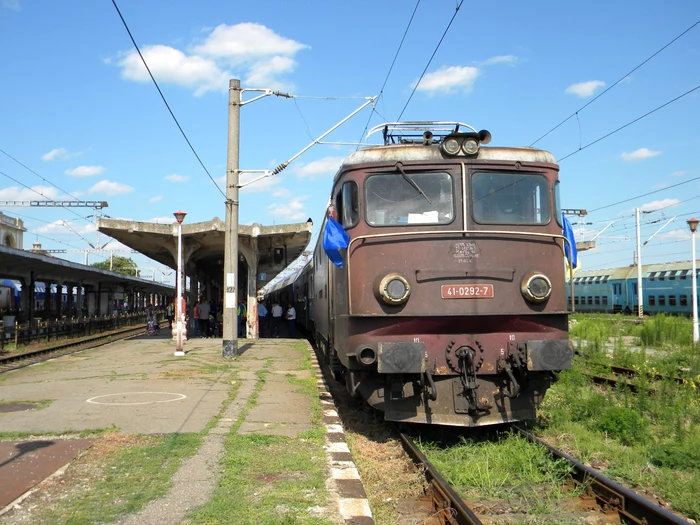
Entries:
{"x":427,"y":138}
{"x":484,"y":136}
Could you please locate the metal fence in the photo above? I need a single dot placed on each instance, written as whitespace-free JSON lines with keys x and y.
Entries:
{"x":54,"y":330}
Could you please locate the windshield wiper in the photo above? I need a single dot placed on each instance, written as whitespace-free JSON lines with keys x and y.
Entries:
{"x":399,"y":167}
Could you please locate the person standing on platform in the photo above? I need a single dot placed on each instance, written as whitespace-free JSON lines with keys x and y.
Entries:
{"x":170,"y":314}
{"x":262,"y":318}
{"x":195,"y":314}
{"x":242,"y":318}
{"x":276,"y":319}
{"x":292,"y":321}
{"x":204,"y":318}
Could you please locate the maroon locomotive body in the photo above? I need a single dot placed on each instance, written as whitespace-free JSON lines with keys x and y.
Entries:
{"x":450,"y":307}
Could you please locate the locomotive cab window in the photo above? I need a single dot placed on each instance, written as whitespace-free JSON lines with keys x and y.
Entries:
{"x":410,"y":198}
{"x":346,"y":202}
{"x":510,"y":198}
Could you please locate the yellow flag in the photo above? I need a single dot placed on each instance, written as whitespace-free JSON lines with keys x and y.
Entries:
{"x":579,"y":264}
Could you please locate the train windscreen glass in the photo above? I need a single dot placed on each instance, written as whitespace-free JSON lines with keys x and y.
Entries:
{"x":510,"y":198}
{"x":413,"y":198}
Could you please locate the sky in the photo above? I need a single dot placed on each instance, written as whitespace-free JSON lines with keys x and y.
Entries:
{"x":79,"y":110}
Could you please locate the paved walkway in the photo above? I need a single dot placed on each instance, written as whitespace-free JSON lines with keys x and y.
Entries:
{"x":138,"y":386}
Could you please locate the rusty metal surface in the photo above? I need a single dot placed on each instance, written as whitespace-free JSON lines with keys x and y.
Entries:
{"x":23,"y":464}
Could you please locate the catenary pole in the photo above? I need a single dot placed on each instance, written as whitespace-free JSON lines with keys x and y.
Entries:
{"x":640,"y":295}
{"x":230,"y":329}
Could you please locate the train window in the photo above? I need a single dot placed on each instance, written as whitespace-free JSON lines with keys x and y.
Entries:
{"x":597,"y":280}
{"x":672,"y":275}
{"x":672,"y":300}
{"x":662,"y":300}
{"x":348,"y":210}
{"x":684,"y":274}
{"x":416,"y":198}
{"x":605,"y":279}
{"x":652,"y":300}
{"x":576,"y":299}
{"x":684,"y":300}
{"x":557,"y":204}
{"x":510,"y":198}
{"x":652,"y":276}
{"x":597,"y":299}
{"x":590,"y":299}
{"x":605,"y":299}
{"x":662,"y":276}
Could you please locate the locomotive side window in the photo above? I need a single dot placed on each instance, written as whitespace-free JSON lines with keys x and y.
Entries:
{"x":347,"y":205}
{"x":510,"y":198}
{"x":417,"y":198}
{"x":557,"y":204}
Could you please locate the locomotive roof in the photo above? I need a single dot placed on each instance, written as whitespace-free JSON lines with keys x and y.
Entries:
{"x":432,"y":153}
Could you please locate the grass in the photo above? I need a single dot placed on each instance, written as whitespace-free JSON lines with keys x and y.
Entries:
{"x":271,"y":479}
{"x":647,"y":441}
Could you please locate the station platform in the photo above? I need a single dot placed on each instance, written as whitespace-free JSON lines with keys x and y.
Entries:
{"x":138,"y":386}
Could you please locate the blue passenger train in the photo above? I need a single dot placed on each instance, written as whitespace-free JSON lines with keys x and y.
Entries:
{"x":666,"y":288}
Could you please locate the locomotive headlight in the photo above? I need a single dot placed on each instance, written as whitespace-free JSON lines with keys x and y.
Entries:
{"x":470,"y":146}
{"x":394,"y":289}
{"x":536,"y":287}
{"x":451,"y":146}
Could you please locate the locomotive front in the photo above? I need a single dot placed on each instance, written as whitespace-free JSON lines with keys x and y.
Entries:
{"x":451,"y":307}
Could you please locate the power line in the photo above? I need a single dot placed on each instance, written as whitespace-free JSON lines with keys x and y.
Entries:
{"x":575,"y":113}
{"x":431,"y":58}
{"x":42,"y":195}
{"x":163,"y":97}
{"x":629,"y":123}
{"x":644,"y":194}
{"x":386,"y":79}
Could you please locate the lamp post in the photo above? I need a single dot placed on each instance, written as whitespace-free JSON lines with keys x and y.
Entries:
{"x":693,"y":225}
{"x":180,"y":328}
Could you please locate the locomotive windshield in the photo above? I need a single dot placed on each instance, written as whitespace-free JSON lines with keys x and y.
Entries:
{"x":510,"y":198}
{"x":409,"y":198}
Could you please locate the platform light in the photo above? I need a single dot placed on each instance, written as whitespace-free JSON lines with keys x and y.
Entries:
{"x":180,"y":326}
{"x":693,"y":225}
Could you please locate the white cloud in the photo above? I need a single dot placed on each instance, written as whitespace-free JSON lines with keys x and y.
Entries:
{"x":177,"y":178}
{"x":320,"y":167}
{"x":156,"y":198}
{"x":679,"y":173}
{"x":59,"y":227}
{"x":289,"y":211}
{"x":679,"y":234}
{"x":59,"y":154}
{"x":12,"y":5}
{"x":85,"y":171}
{"x":657,"y":205}
{"x":585,"y":89}
{"x":246,"y":42}
{"x":281,"y":193}
{"x":110,"y":188}
{"x":640,"y":154}
{"x":508,"y":60}
{"x":449,"y":79}
{"x":117,"y":247}
{"x":263,"y":73}
{"x":172,"y":65}
{"x":162,"y":220}
{"x":36,"y":193}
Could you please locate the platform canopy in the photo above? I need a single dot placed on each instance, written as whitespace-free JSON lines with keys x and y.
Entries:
{"x":269,"y":248}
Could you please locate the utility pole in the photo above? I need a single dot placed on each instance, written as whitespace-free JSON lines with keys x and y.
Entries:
{"x":230,"y":328}
{"x":640,"y":296}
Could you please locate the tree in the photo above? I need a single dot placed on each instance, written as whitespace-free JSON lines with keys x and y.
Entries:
{"x":124,"y":265}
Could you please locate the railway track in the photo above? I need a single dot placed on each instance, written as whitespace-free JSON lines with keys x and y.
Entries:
{"x":20,"y":360}
{"x":625,"y":375}
{"x":615,"y":504}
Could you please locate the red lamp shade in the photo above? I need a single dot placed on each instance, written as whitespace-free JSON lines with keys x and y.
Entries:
{"x":693,"y":224}
{"x":180,"y":216}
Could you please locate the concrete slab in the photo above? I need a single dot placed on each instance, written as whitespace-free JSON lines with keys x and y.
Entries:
{"x":23,"y":464}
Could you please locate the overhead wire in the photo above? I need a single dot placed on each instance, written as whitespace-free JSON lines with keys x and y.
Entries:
{"x":431,"y":57}
{"x":133,"y":41}
{"x":581,"y":148}
{"x":644,"y":194}
{"x":575,"y":113}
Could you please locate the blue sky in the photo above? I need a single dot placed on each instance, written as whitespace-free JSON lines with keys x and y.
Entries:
{"x":78,"y":108}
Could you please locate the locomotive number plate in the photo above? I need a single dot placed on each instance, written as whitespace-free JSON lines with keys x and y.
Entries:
{"x":457,"y":291}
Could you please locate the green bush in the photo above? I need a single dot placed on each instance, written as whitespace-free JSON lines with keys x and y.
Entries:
{"x":677,"y":456}
{"x":624,"y":424}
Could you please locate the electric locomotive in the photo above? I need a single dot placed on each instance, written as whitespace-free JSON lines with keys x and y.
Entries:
{"x":450,"y":304}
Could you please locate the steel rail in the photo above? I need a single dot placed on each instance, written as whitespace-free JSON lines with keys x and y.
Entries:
{"x":449,"y":505}
{"x":27,"y":358}
{"x":631,"y":507}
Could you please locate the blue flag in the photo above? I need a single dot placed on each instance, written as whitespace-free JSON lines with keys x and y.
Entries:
{"x":335,"y":238}
{"x":570,"y":248}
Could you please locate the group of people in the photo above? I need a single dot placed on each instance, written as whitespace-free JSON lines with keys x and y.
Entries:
{"x":208,"y":319}
{"x":270,"y":319}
